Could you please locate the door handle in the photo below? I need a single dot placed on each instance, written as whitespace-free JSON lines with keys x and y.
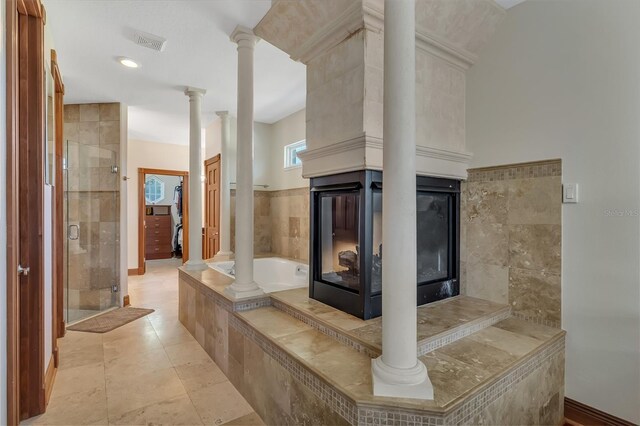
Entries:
{"x":23,"y":271}
{"x":74,"y":235}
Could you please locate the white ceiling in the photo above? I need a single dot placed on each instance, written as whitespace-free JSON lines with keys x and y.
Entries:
{"x":89,"y":35}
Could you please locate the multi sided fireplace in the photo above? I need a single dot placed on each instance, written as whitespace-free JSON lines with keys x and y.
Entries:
{"x":346,"y":258}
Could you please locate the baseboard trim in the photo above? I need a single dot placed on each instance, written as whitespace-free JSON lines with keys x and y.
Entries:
{"x":134,"y":271}
{"x":577,"y":414}
{"x":49,"y":378}
{"x":126,"y":301}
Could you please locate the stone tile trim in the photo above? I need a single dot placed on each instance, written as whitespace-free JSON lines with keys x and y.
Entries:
{"x":338,"y":402}
{"x":337,"y":335}
{"x":516,"y":171}
{"x":223,"y":302}
{"x":367,"y":414}
{"x":289,"y":192}
{"x":450,"y":336}
{"x":424,"y":346}
{"x":372,"y":415}
{"x":536,"y":320}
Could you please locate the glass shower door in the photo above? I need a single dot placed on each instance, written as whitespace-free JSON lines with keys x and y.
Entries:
{"x":92,"y":221}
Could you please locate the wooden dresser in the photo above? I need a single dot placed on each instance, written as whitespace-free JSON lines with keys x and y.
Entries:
{"x":158,"y":236}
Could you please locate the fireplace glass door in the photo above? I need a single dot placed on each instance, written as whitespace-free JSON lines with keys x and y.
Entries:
{"x":339,"y":248}
{"x":433,"y":229}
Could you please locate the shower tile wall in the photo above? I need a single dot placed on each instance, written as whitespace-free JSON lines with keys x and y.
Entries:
{"x":92,"y":132}
{"x":511,"y":238}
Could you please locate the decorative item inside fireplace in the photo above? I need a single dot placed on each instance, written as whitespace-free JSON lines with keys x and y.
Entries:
{"x":347,"y":248}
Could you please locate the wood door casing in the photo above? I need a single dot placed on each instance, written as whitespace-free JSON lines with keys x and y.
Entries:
{"x":31,"y":135}
{"x":142,"y":172}
{"x":212,"y":207}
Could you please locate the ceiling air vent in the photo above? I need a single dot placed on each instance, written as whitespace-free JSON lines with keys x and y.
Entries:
{"x":150,"y":41}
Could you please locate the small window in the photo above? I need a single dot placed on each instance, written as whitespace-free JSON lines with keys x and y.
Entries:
{"x":291,"y":151}
{"x":153,"y":190}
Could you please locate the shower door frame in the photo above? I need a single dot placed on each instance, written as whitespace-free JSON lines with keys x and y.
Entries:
{"x":142,"y":172}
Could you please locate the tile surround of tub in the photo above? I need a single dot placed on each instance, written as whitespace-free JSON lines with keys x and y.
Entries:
{"x":92,"y":191}
{"x":511,"y":238}
{"x":281,"y":223}
{"x":281,"y":366}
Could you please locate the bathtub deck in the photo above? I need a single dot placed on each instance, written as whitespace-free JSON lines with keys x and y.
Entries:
{"x":299,"y":361}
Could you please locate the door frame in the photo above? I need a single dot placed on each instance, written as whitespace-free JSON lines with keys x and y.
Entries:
{"x":141,"y":210}
{"x":25,"y":131}
{"x":214,"y":159}
{"x":12,"y":126}
{"x":58,"y":211}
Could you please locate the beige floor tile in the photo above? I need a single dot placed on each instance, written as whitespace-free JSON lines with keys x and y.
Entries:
{"x":141,"y":371}
{"x":140,"y":342}
{"x":174,"y":411}
{"x":129,"y":393}
{"x":219,"y":403}
{"x":84,"y":378}
{"x":187,"y":353}
{"x":71,"y":357}
{"x":171,"y":333}
{"x":79,"y":408}
{"x":199,"y":376}
{"x":136,"y":363}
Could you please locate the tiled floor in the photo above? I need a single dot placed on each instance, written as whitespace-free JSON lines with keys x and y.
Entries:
{"x":150,"y":371}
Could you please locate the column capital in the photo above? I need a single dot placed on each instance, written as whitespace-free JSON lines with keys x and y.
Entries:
{"x":194,"y":91}
{"x":222,"y":114}
{"x":244,"y":37}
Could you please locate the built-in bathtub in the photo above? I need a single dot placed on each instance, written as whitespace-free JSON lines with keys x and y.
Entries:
{"x":271,"y":273}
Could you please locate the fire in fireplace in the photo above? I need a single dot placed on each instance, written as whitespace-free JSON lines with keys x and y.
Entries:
{"x":347,"y":248}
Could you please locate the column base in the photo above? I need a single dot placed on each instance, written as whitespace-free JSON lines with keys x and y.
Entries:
{"x":244,"y":291}
{"x":401,"y":382}
{"x":195,"y":265}
{"x":223,"y":254}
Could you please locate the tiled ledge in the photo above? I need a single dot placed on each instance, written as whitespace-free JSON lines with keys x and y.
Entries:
{"x":368,"y":344}
{"x":343,"y":386}
{"x":358,"y":408}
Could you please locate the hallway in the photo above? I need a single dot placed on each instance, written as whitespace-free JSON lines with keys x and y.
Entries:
{"x":150,"y":371}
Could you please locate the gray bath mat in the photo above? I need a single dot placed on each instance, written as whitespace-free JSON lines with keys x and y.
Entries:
{"x":110,"y":320}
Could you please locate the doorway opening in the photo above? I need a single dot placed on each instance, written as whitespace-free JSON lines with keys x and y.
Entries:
{"x":163,"y":221}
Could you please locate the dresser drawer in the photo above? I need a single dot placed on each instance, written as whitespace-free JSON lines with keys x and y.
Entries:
{"x":158,"y":220}
{"x":159,"y":232}
{"x":151,"y":240}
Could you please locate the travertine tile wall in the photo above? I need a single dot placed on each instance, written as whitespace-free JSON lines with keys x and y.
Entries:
{"x":290,"y":223}
{"x":261,"y":222}
{"x":511,"y":238}
{"x":92,"y":191}
{"x":281,"y":223}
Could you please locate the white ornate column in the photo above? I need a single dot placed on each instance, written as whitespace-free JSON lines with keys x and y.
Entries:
{"x":195,"y":171}
{"x":244,"y":285}
{"x":225,"y":187}
{"x":398,"y":372}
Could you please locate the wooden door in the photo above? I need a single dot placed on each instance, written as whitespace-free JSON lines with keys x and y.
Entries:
{"x":212,"y":207}
{"x":30,"y":185}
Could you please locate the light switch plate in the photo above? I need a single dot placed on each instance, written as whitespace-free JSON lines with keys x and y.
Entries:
{"x":570,"y":193}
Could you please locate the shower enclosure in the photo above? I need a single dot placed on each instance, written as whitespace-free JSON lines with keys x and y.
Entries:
{"x":92,"y":222}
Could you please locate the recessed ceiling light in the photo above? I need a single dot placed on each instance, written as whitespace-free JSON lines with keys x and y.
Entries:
{"x":128,"y":62}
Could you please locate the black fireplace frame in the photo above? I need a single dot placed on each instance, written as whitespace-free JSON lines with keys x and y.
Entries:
{"x":365,"y":304}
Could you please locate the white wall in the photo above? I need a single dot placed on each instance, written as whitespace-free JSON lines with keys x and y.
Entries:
{"x":288,"y":130}
{"x":152,"y":155}
{"x":3,"y":222}
{"x":268,"y":155}
{"x":262,"y":137}
{"x":562,"y":79}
